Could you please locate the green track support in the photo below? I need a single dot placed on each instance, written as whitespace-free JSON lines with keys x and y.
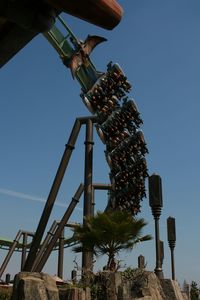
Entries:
{"x":67,"y":45}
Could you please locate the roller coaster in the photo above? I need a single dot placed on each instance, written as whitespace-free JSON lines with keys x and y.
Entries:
{"x":117,"y":121}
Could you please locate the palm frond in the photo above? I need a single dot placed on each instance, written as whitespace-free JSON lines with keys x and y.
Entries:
{"x":109,"y":233}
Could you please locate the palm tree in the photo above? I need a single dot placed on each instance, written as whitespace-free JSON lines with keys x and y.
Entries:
{"x":109,"y":233}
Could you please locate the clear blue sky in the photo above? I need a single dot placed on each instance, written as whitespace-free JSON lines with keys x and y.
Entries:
{"x":158,"y":46}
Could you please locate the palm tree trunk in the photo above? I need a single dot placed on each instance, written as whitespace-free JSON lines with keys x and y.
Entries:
{"x":111,"y":265}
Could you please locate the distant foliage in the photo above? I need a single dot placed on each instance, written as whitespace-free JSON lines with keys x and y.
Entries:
{"x":185,"y":286}
{"x":194,"y":291}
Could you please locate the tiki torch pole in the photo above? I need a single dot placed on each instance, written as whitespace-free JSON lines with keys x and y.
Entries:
{"x":171,"y":232}
{"x":156,"y":203}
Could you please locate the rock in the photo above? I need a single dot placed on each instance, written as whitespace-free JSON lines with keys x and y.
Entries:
{"x":172,"y":289}
{"x":32,"y":286}
{"x":145,"y":286}
{"x":142,"y":285}
{"x":74,"y":293}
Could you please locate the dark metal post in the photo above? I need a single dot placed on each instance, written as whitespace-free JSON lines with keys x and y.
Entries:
{"x":24,"y":249}
{"x":141,"y":262}
{"x":52,"y":196}
{"x":156,"y":203}
{"x":10,"y":252}
{"x":7,"y":278}
{"x":74,"y":276}
{"x":87,"y":257}
{"x":60,"y":228}
{"x":162,"y":254}
{"x":61,"y":254}
{"x":49,"y":235}
{"x":171,"y":230}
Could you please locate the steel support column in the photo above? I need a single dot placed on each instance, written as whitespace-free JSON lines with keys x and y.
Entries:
{"x":52,"y":196}
{"x":87,"y":257}
{"x":60,"y":228}
{"x":61,"y":254}
{"x":10,"y":252}
{"x":49,"y":235}
{"x":24,"y":249}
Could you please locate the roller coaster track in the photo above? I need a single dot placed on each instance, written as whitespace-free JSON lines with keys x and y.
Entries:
{"x":106,"y":95}
{"x":22,"y":20}
{"x":5,"y":244}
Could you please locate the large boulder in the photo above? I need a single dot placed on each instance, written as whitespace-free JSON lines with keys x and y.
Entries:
{"x":172,"y":290}
{"x":144,"y":286}
{"x":74,"y":293}
{"x":32,"y":286}
{"x":139,"y":285}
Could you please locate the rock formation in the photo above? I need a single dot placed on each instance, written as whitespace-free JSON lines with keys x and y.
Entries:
{"x":34,"y":286}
